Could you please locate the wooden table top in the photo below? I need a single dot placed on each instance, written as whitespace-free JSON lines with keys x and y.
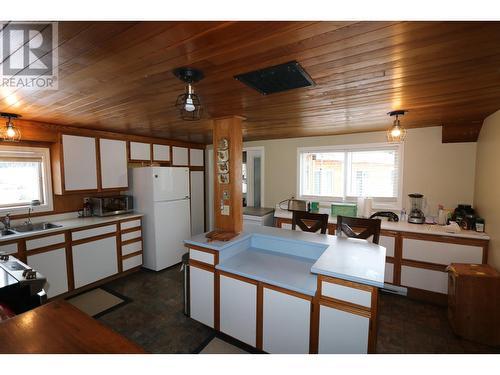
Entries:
{"x":58,"y":327}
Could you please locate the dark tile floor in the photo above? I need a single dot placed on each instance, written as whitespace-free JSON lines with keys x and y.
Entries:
{"x":155,"y":320}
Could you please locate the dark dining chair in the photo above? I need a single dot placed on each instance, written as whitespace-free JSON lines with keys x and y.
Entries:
{"x":345,"y":224}
{"x":310,"y":222}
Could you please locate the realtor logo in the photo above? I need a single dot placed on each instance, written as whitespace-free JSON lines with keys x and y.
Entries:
{"x":28,"y":52}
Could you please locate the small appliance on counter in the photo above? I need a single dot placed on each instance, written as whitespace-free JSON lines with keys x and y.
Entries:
{"x":391,"y":216}
{"x":465,"y":216}
{"x":294,"y":204}
{"x":21,"y":287}
{"x":114,"y":205}
{"x":416,"y":215}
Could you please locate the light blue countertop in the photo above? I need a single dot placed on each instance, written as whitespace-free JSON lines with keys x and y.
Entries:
{"x":293,"y":259}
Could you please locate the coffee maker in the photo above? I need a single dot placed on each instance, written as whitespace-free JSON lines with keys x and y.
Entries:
{"x":416,"y":215}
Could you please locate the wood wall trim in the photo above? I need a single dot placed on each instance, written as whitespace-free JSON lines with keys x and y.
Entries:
{"x":238,"y":277}
{"x":131,"y":255}
{"x":204,"y":266}
{"x":95,"y":238}
{"x":287,"y":291}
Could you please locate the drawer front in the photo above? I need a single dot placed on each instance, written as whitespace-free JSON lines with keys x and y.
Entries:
{"x":45,"y":241}
{"x":131,"y":248}
{"x":388,"y":242}
{"x":92,"y":232}
{"x":202,"y":256}
{"x":347,"y":294}
{"x":425,"y":279}
{"x":130,"y":224}
{"x":132,"y":262}
{"x":131,"y":235}
{"x":441,"y":252}
{"x":9,"y":249}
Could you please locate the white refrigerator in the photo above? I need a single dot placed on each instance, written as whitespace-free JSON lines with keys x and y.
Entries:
{"x":162,"y":195}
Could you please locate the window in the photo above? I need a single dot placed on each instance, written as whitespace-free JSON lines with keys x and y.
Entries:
{"x":24,"y":176}
{"x":348,"y":172}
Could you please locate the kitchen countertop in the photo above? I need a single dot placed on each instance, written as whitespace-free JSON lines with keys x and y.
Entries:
{"x":403,"y":226}
{"x":71,"y":224}
{"x":345,"y":258}
{"x":257,"y":211}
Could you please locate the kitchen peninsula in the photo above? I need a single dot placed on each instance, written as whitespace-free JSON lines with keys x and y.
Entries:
{"x":288,"y":292}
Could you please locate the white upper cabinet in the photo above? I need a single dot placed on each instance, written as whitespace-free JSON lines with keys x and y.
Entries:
{"x":161,"y":152}
{"x":140,"y":151}
{"x":196,"y":157}
{"x":180,"y":156}
{"x":80,"y":162}
{"x":113,"y":163}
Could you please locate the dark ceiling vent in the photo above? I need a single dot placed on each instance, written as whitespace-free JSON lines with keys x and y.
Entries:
{"x":278,"y":78}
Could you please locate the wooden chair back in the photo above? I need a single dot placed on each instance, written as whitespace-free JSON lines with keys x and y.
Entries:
{"x":371,"y":227}
{"x":303,"y":218}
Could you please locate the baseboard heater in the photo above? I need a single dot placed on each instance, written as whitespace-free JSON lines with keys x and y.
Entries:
{"x":394,"y":289}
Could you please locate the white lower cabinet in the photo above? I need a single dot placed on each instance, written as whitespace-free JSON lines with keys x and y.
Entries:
{"x":421,"y":278}
{"x":342,"y":332}
{"x":286,"y":323}
{"x":201,"y":292}
{"x":94,"y":260}
{"x":52,"y":265}
{"x":238,"y":309}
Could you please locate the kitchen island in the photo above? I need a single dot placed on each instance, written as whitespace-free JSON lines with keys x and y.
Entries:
{"x":287,"y":291}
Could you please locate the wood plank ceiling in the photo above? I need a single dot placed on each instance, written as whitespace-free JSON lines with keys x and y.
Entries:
{"x":117,"y":76}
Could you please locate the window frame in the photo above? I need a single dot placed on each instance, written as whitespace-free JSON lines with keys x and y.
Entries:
{"x":378,"y":203}
{"x":31,"y":152}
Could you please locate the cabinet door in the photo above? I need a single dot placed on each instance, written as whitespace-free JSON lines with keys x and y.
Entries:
{"x":140,"y":151}
{"x":238,"y":309}
{"x":421,"y":278}
{"x":180,"y":156}
{"x":197,"y":202}
{"x":286,"y":322}
{"x":161,"y":152}
{"x":113,"y":163}
{"x":389,"y":243}
{"x":342,"y":332}
{"x":80,"y":163}
{"x":94,"y":260}
{"x":195,"y":157}
{"x":52,"y":265}
{"x":201,"y":294}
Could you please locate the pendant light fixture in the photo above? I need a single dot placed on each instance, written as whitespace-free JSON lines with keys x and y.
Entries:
{"x":9,"y":132}
{"x":396,"y":134}
{"x":189,"y":104}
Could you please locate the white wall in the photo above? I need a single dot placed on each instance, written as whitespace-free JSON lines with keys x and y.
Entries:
{"x":486,"y":197}
{"x":444,"y":173}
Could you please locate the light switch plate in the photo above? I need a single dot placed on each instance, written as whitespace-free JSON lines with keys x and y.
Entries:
{"x":225,"y":210}
{"x":225,"y":194}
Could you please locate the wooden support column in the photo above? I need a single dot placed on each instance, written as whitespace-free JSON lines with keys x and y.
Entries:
{"x":228,"y":203}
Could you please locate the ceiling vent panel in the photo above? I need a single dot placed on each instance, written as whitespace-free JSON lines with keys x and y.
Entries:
{"x":278,"y":78}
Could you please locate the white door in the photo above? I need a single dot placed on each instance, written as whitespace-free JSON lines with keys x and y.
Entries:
{"x":113,"y":163}
{"x":201,"y":293}
{"x":94,"y":260}
{"x":197,"y":202}
{"x":238,"y":309}
{"x":172,"y":227}
{"x":341,"y":332}
{"x":52,"y":265}
{"x":170,"y":183}
{"x":286,"y":322}
{"x":80,"y":162}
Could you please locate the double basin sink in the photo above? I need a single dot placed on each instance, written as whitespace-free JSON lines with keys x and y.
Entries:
{"x":25,"y":228}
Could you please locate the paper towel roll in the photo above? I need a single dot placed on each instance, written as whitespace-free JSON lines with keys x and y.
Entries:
{"x":361,"y":206}
{"x":367,"y":209}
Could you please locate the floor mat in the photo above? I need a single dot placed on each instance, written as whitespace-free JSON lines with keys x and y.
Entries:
{"x":98,"y":302}
{"x":218,"y":346}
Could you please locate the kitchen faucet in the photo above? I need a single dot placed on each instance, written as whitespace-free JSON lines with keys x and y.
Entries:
{"x":34,"y":203}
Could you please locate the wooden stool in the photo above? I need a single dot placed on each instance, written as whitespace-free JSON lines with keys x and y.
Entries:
{"x":474,"y":302}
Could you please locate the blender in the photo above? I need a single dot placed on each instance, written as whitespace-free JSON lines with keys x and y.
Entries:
{"x":416,"y":215}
